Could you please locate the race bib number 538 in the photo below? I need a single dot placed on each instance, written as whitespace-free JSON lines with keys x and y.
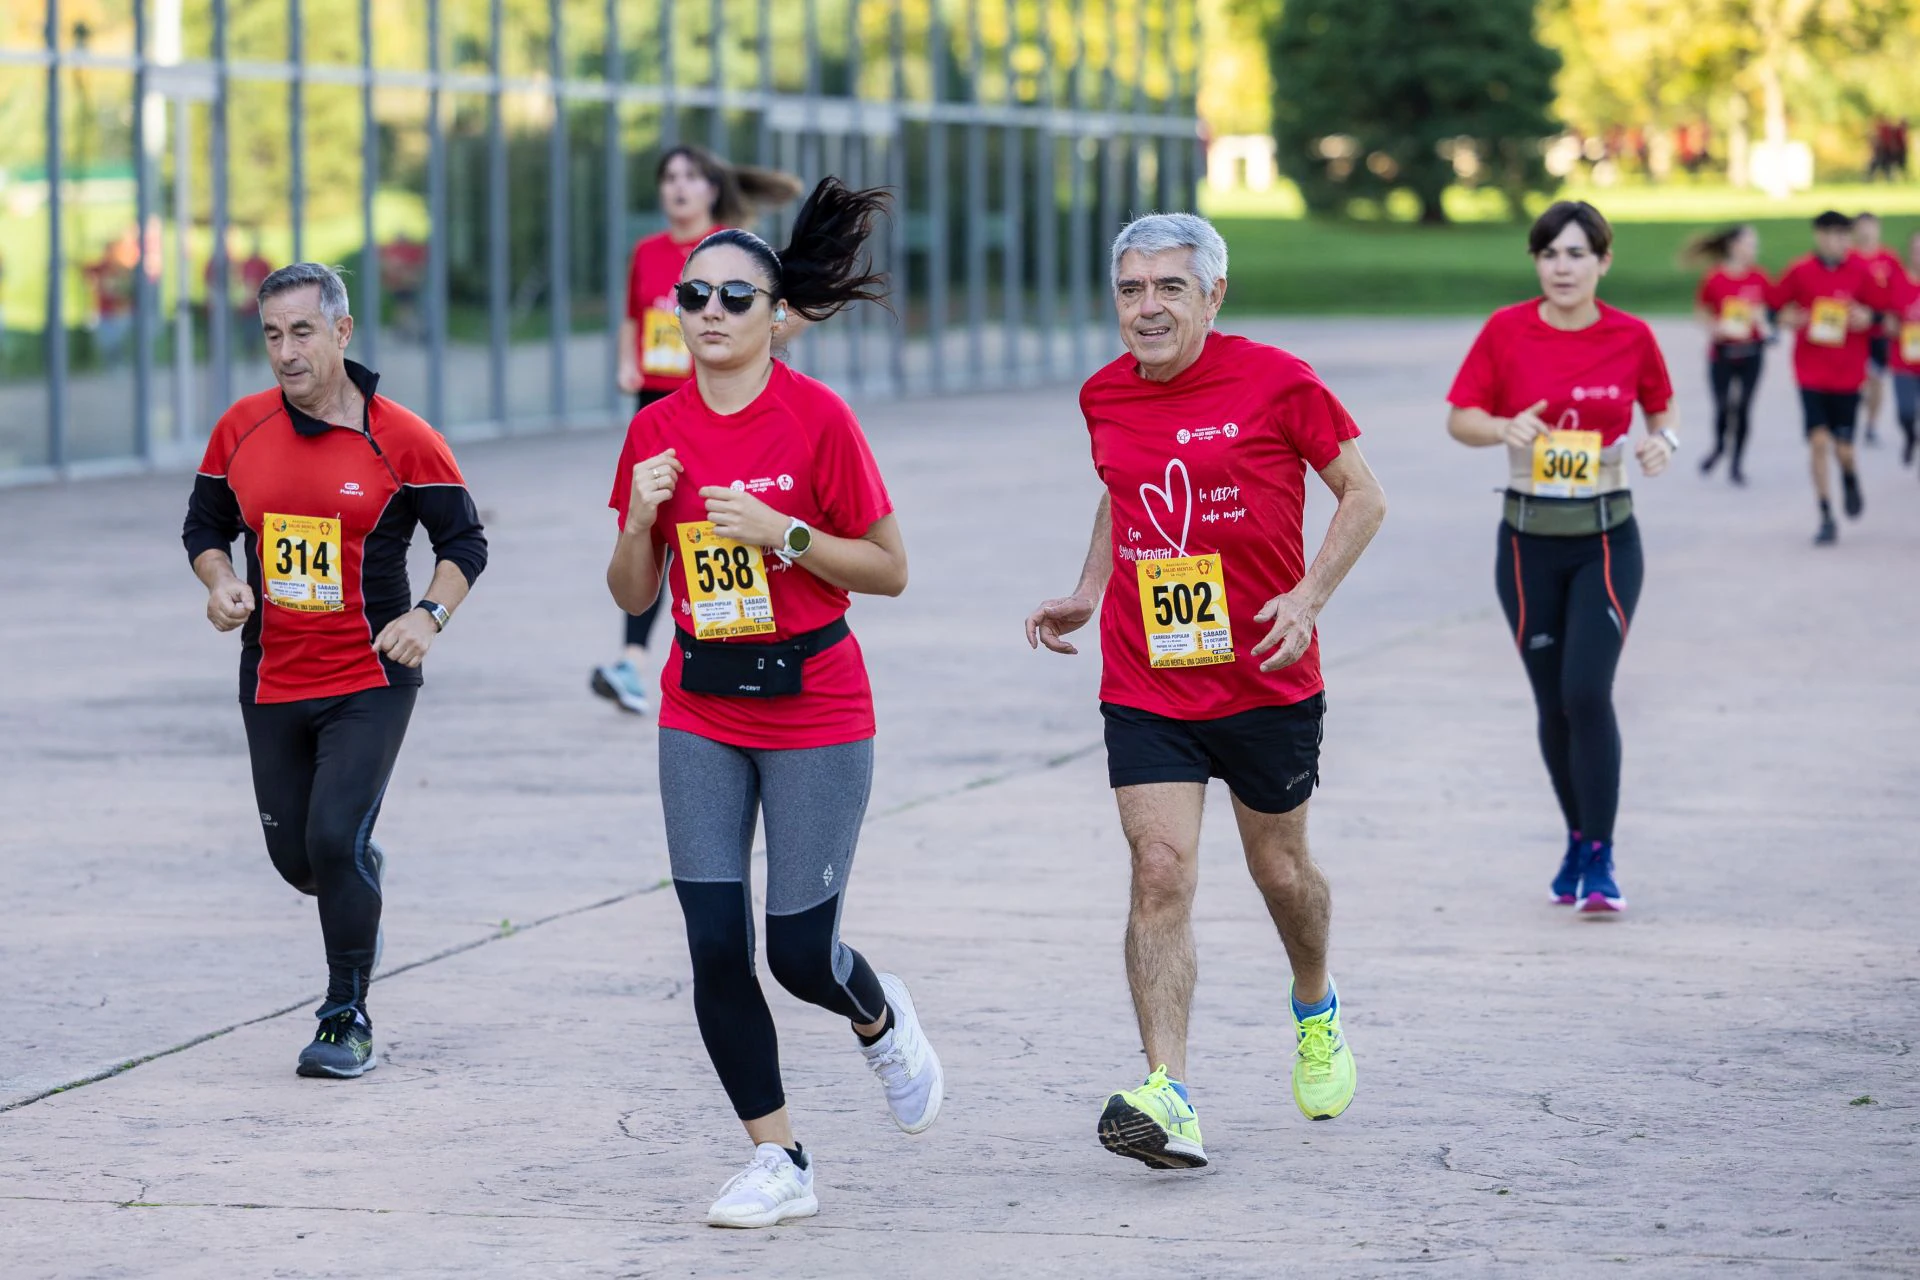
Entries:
{"x":726,"y":584}
{"x":1183,"y":605}
{"x":301,"y":556}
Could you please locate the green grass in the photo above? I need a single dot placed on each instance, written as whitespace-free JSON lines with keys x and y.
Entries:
{"x":1282,"y":263}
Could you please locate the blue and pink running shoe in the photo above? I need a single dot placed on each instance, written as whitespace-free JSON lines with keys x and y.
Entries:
{"x":1600,"y":894}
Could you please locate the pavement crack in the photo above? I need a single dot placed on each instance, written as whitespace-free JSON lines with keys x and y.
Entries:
{"x":1445,"y":1158}
{"x":1546,"y":1104}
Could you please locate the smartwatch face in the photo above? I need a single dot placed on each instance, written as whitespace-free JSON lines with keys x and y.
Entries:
{"x":798,"y":540}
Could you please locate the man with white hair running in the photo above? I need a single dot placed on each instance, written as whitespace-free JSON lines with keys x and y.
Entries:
{"x":1211,"y":668}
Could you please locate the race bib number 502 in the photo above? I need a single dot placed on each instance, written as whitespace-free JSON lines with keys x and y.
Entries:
{"x":301,"y":556}
{"x":1183,"y":605}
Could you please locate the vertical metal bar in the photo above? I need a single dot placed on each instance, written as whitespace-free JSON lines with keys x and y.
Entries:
{"x":439,"y":235}
{"x":219,"y":285}
{"x":1078,"y":233}
{"x":183,"y":364}
{"x":810,"y":114}
{"x":143,"y":293}
{"x":558,"y":301}
{"x":717,"y":43}
{"x":1137,"y":106}
{"x":1047,"y":198}
{"x":369,"y":327}
{"x":860,"y":322}
{"x":56,"y":330}
{"x":937,"y":203}
{"x":670,"y":103}
{"x":615,"y":162}
{"x":499,"y":271}
{"x":1012,"y":165}
{"x":763,"y":138}
{"x":1111,"y":213}
{"x":1171,"y":147}
{"x":296,"y":127}
{"x":1194,"y":151}
{"x":976,"y":209}
{"x":903,"y":194}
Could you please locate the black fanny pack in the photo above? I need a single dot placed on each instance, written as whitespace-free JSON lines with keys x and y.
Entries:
{"x":744,"y":669}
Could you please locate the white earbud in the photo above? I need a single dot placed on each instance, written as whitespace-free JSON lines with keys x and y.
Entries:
{"x":779,"y":315}
{"x":676,"y":310}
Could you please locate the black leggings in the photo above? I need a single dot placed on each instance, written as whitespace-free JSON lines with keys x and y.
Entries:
{"x":640,"y":625}
{"x":1570,"y":603}
{"x":320,"y":770}
{"x":1735,"y":380}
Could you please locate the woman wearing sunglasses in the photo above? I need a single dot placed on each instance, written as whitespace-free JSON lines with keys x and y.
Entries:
{"x":699,"y":193}
{"x":755,"y":494}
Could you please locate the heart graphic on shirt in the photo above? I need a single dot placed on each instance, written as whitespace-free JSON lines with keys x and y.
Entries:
{"x":1183,"y":509}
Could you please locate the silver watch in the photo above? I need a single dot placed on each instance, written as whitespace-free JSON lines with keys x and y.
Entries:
{"x":1673,"y":441}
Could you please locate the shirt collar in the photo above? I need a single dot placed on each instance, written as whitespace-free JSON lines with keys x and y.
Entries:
{"x":364,"y":381}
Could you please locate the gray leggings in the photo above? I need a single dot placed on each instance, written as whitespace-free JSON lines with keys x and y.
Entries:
{"x":814,"y":800}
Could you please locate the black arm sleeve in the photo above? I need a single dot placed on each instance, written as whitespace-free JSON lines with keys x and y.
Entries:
{"x":447,"y":513}
{"x":213,"y":517}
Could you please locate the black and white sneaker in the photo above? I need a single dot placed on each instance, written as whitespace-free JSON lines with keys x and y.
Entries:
{"x":1850,"y":495}
{"x":342,"y":1048}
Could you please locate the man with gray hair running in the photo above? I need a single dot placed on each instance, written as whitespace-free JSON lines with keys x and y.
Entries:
{"x":324,"y":481}
{"x":1210,"y":665}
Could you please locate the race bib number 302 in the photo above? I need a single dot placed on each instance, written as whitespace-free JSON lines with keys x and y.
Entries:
{"x":662,"y":352}
{"x":1183,"y":605}
{"x":1827,"y":324}
{"x":726,"y":584}
{"x":301,"y":558}
{"x":1566,"y":464}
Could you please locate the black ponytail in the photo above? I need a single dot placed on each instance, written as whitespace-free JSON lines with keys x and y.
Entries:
{"x":825,"y":267}
{"x":1712,"y":247}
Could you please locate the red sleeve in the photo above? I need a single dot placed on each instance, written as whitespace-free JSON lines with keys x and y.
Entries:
{"x":622,"y":496}
{"x":846,"y":477}
{"x":1781,"y":292}
{"x":1475,"y":386}
{"x":1655,"y":391}
{"x":426,"y":459}
{"x":1315,"y":422}
{"x":636,"y":306}
{"x":219,"y":447}
{"x":1704,"y":294}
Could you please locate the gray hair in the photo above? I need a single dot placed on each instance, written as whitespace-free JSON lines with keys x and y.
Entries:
{"x":333,"y":290}
{"x":1158,"y":232}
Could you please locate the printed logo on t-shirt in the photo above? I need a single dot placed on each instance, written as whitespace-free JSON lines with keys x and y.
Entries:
{"x":785,"y":482}
{"x":352,"y":489}
{"x":1596,"y":393}
{"x":1204,"y":434}
{"x":762,"y":484}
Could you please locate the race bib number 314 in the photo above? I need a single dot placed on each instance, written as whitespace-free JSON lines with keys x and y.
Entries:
{"x":301,"y":557}
{"x":726,"y":584}
{"x":1566,"y":464}
{"x":1183,"y":605}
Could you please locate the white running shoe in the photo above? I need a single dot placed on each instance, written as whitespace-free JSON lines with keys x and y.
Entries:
{"x":906,"y":1064}
{"x":768,"y":1191}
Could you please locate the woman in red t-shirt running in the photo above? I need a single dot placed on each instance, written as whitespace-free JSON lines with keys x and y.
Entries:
{"x":699,"y":192}
{"x":1903,"y":355}
{"x":765,"y":706}
{"x":1732,"y":304}
{"x":1555,"y":379}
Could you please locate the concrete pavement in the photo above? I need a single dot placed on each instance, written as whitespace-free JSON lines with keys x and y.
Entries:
{"x":1673,"y":1094}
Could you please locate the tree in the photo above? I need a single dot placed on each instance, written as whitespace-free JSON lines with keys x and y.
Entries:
{"x":1410,"y":95}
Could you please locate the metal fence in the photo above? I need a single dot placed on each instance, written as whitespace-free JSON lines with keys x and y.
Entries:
{"x":483,"y":167}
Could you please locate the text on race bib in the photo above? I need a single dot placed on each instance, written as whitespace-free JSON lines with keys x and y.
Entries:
{"x":1737,"y":318}
{"x":1910,"y":342}
{"x":662,"y":350}
{"x":1183,"y":606}
{"x":726,"y":584}
{"x":300,"y":556}
{"x":1827,"y":323}
{"x":1566,"y":464}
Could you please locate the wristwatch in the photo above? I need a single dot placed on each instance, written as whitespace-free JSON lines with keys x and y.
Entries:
{"x":799,"y":538}
{"x":1673,"y":441}
{"x":438,"y":612}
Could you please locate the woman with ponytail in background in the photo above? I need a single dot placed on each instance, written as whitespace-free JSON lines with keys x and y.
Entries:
{"x":1732,"y":303}
{"x":758,"y":482}
{"x":699,"y":194}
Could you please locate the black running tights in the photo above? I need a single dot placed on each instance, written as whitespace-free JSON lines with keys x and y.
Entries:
{"x":1569,"y":603}
{"x":1735,"y":382}
{"x":320,"y":770}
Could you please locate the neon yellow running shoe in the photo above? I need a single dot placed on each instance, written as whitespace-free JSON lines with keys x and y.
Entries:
{"x":1154,"y":1125}
{"x":1323,"y":1071}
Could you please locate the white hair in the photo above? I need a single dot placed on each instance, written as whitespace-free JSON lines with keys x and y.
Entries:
{"x":1158,"y":232}
{"x":333,"y":290}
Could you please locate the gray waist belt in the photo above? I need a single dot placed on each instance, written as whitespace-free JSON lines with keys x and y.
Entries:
{"x":1568,"y":517}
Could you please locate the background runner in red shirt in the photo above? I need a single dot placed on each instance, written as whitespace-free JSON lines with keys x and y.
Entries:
{"x":1903,"y":307}
{"x":1210,"y":663}
{"x":1732,"y":304}
{"x":754,"y":490}
{"x":325,"y":481}
{"x":1555,"y":380}
{"x":1884,"y":265}
{"x":1829,"y":299}
{"x":699,"y":192}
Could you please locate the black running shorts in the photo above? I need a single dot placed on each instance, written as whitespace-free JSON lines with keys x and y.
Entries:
{"x":1833,"y":411}
{"x":1269,"y":757}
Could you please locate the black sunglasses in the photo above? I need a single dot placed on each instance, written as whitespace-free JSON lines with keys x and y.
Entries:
{"x":735,"y":295}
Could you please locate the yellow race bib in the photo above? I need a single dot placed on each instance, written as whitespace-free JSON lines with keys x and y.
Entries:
{"x":1566,"y":464}
{"x":1183,"y":605}
{"x":1736,"y":319}
{"x":1827,"y":323}
{"x":1910,"y":342}
{"x":662,"y":352}
{"x":726,"y":584}
{"x":301,"y":559}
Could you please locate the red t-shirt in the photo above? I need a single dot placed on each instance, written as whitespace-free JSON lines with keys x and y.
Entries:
{"x":652,"y":272}
{"x":1212,"y":463}
{"x":1590,"y":378}
{"x":1748,"y":291}
{"x":1884,"y":265}
{"x":1839,"y":366}
{"x":1903,"y":301}
{"x":799,"y":449}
